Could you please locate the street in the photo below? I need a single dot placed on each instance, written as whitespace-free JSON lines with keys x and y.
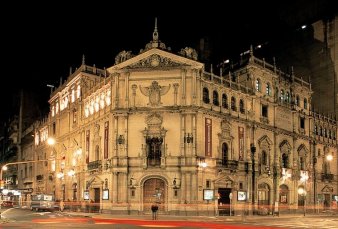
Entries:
{"x":24,"y":218}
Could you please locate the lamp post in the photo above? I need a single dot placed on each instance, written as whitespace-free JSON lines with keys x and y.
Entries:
{"x":253,"y":150}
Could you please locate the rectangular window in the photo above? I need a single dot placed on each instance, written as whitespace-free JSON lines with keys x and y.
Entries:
{"x":207,"y":184}
{"x":106,"y":134}
{"x":241,"y":142}
{"x":265,"y":111}
{"x":54,"y":128}
{"x":74,"y":116}
{"x":302,"y":123}
{"x":208,"y":135}
{"x":87,"y":146}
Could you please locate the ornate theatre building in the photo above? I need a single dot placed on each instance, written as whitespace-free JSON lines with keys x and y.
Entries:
{"x":156,"y":128}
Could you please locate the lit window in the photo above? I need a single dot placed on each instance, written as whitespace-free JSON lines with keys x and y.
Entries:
{"x":97,"y":103}
{"x":281,"y":95}
{"x":287,"y":97}
{"x":78,"y":91}
{"x":91,"y":108}
{"x":258,"y":85}
{"x":73,"y":95}
{"x":57,"y":108}
{"x":53,"y":112}
{"x":268,"y":89}
{"x":87,"y":110}
{"x":102,"y":101}
{"x":108,"y":97}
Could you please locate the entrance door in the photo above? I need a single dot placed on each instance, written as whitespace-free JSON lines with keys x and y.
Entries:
{"x":96,"y":207}
{"x":224,"y":201}
{"x":154,"y":192}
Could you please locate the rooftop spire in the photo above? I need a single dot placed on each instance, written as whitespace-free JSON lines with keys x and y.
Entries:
{"x":155,"y":33}
{"x":83,"y":59}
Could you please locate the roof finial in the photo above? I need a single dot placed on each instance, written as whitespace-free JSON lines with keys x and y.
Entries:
{"x":155,"y":33}
{"x":83,"y":59}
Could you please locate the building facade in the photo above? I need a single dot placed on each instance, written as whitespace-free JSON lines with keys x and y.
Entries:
{"x":157,"y":128}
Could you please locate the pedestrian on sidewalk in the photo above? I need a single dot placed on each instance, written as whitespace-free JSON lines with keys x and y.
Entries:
{"x":62,"y":205}
{"x":154,"y":209}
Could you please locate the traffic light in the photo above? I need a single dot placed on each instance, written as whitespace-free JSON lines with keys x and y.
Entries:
{"x":2,"y":184}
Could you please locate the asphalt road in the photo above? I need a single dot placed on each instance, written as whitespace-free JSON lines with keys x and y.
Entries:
{"x":24,"y":218}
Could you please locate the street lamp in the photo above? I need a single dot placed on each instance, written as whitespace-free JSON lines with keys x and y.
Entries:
{"x":302,"y":193}
{"x":253,"y":150}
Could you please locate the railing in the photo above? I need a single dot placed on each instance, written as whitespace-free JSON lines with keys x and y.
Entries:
{"x":229,"y":164}
{"x":327,"y":177}
{"x":94,"y":165}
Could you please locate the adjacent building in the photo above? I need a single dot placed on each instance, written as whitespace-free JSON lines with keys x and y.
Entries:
{"x":156,"y":128}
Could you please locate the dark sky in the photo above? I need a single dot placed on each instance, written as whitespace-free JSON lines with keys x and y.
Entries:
{"x":41,"y":42}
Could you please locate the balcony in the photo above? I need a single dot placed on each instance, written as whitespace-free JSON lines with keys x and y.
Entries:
{"x":93,"y":165}
{"x":27,"y":180}
{"x":327,"y":177}
{"x":228,"y":164}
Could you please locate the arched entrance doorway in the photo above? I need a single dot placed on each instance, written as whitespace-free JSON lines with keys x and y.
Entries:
{"x":283,"y":197}
{"x":263,"y":199}
{"x":154,"y":191}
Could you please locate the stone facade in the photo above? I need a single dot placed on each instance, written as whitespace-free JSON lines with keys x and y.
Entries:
{"x":156,"y":128}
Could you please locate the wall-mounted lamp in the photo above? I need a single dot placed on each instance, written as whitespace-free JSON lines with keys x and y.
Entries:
{"x":71,"y":173}
{"x":120,"y":139}
{"x":59,"y":175}
{"x":188,"y":138}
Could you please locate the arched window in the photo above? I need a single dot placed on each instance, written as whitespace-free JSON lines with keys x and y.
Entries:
{"x":285,"y":160}
{"x":324,"y":132}
{"x":241,"y":106}
{"x":225,"y":101}
{"x":329,"y":134}
{"x":320,"y":131}
{"x":233,"y":104}
{"x":297,"y":100}
{"x":258,"y":84}
{"x":215,"y":100}
{"x":264,"y":159}
{"x":225,"y":156}
{"x":305,"y":103}
{"x":282,"y":95}
{"x":206,"y":95}
{"x":268,"y":89}
{"x":287,"y":97}
{"x":301,"y":163}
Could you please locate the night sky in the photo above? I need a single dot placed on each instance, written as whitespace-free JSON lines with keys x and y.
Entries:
{"x":41,"y":42}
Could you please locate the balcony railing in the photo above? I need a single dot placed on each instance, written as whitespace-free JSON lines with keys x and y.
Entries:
{"x":327,"y":177}
{"x":229,"y":164}
{"x":94,"y":165}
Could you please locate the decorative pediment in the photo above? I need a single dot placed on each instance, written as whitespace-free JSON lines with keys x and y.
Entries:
{"x":154,"y":120}
{"x":264,"y":142}
{"x":225,"y":127}
{"x":327,"y":189}
{"x":302,"y":150}
{"x":152,"y":59}
{"x":285,"y":146}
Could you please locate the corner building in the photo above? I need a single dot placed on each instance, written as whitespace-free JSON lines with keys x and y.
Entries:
{"x":157,"y":128}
